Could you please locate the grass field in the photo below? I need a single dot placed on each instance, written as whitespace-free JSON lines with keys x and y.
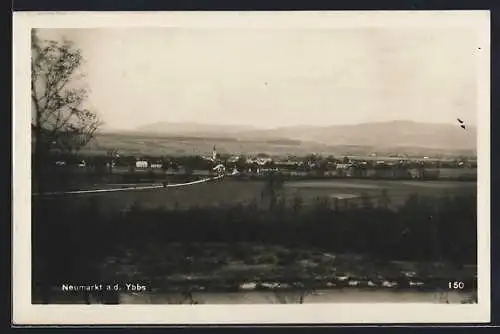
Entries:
{"x":397,"y":191}
{"x":456,"y":173}
{"x":219,"y":254}
{"x":228,"y":191}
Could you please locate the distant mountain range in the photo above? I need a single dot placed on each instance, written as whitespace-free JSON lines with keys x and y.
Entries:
{"x":382,"y":135}
{"x":194,"y":129}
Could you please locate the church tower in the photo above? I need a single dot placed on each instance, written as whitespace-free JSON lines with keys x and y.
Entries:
{"x":214,"y":153}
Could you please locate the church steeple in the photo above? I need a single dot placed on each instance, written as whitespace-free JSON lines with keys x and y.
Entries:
{"x":214,"y":153}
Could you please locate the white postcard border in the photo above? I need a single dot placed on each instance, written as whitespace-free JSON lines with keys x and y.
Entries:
{"x":25,"y":313}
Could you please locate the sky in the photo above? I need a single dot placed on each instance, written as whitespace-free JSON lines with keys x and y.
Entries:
{"x":277,"y":77}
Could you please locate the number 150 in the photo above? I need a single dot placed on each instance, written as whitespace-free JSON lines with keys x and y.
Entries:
{"x":456,"y":285}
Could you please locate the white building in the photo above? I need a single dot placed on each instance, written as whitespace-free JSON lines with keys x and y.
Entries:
{"x":343,"y":166}
{"x":233,"y":159}
{"x":220,"y":169}
{"x":263,"y":161}
{"x":141,"y":164}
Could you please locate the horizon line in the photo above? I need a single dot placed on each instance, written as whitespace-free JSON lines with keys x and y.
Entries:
{"x":260,"y":127}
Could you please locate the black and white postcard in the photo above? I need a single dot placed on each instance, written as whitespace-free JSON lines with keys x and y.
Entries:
{"x":251,"y":167}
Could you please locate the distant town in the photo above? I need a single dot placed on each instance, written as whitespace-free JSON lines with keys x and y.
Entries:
{"x":312,"y":165}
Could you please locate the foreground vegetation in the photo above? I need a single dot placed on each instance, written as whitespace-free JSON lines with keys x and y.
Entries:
{"x":74,"y":246}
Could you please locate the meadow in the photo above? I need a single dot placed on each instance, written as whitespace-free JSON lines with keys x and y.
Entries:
{"x":221,"y":235}
{"x":230,"y":191}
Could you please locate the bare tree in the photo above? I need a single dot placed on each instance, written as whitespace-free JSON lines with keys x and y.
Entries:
{"x":60,"y":121}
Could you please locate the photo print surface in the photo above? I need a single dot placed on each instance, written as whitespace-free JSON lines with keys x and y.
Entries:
{"x":254,"y":161}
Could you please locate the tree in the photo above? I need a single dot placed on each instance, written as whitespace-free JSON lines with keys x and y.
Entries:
{"x":273,"y":188}
{"x":322,"y":166}
{"x":241,"y":163}
{"x":112,"y":156}
{"x":60,"y":121}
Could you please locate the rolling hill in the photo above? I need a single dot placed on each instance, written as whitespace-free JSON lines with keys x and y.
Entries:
{"x":397,"y":137}
{"x":381,"y":135}
{"x":192,"y":129}
{"x":384,"y":134}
